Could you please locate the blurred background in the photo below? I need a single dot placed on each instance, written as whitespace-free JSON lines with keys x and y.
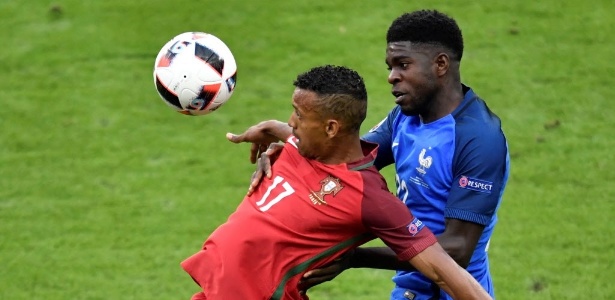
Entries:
{"x":104,"y":190}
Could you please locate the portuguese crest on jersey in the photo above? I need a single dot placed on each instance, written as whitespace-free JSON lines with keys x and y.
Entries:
{"x":329,"y":185}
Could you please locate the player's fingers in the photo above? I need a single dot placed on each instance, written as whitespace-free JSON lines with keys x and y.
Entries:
{"x":250,"y":189}
{"x":254,"y":152}
{"x":257,"y":176}
{"x":320,"y":275}
{"x":235,"y":138}
{"x":307,"y":283}
{"x":272,"y":153}
{"x":268,"y":170}
{"x":258,"y":150}
{"x":326,"y":271}
{"x":317,"y":276}
{"x":274,"y":149}
{"x":264,"y":164}
{"x":262,"y":148}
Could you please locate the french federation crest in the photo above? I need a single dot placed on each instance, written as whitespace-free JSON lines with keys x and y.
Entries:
{"x":329,"y":185}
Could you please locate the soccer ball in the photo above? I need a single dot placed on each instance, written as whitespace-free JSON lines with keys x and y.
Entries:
{"x":195,"y":73}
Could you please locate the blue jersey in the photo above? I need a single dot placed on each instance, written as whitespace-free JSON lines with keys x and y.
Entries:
{"x":455,"y":167}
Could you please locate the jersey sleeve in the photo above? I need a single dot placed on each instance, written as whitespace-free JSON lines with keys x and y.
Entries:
{"x":391,"y":221}
{"x":480,"y":171}
{"x":382,"y":134}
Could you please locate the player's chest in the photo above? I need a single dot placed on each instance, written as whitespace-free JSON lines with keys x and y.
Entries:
{"x":424,"y":156}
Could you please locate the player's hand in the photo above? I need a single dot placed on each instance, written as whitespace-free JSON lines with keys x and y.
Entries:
{"x":260,"y":141}
{"x":326,"y":273}
{"x":263,"y":165}
{"x":261,"y":136}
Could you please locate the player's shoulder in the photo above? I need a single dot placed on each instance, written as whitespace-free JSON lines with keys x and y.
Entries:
{"x":385,"y":124}
{"x":474,"y":119}
{"x":374,"y":184}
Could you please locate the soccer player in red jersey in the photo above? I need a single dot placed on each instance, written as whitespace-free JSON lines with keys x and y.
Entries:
{"x":324,"y":198}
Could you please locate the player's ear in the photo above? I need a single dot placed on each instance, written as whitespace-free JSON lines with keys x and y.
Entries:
{"x":332,"y":128}
{"x":442,"y":62}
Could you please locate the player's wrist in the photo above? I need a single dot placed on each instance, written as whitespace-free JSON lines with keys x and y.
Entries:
{"x":276,"y":128}
{"x":352,"y":261}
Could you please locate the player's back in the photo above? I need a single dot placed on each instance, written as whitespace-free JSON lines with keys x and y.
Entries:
{"x":306,"y":215}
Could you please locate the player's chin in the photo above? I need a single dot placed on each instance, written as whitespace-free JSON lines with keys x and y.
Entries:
{"x":304,"y":153}
{"x":408,"y":110}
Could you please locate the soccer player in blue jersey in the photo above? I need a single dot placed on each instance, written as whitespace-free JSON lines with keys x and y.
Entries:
{"x":450,"y":154}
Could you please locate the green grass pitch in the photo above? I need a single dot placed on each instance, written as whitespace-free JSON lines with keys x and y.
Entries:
{"x":104,"y":189}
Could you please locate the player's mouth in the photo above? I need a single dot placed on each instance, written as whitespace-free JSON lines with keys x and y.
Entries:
{"x":399,"y":96}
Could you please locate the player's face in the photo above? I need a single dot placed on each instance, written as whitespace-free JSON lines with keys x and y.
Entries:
{"x":413,"y":76}
{"x":307,"y":124}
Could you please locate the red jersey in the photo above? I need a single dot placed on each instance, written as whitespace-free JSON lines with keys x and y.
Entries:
{"x":305,"y":216}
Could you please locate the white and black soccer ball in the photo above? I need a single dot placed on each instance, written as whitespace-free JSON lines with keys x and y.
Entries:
{"x":195,"y":73}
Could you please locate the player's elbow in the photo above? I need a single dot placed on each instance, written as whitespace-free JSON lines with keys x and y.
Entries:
{"x":460,"y":251}
{"x":463,"y":260}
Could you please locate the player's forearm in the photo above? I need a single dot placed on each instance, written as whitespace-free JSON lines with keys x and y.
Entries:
{"x":460,"y":284}
{"x":378,"y":258}
{"x":277,"y":129}
{"x":439,"y":267}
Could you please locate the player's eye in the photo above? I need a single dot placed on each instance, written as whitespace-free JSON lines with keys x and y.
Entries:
{"x":401,"y":65}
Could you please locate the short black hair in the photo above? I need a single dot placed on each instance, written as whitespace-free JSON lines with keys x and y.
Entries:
{"x":342,"y":93}
{"x":428,"y":27}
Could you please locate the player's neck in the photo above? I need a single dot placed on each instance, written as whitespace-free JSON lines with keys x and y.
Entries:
{"x":444,"y":103}
{"x":342,"y":150}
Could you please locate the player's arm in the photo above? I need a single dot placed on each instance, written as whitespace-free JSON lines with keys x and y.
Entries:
{"x":264,"y":149}
{"x":433,"y":262}
{"x":385,"y":258}
{"x":437,"y":265}
{"x":261,"y":136}
{"x":382,"y":134}
{"x":389,"y":219}
{"x":458,"y":241}
{"x":480,"y":171}
{"x":469,"y":207}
